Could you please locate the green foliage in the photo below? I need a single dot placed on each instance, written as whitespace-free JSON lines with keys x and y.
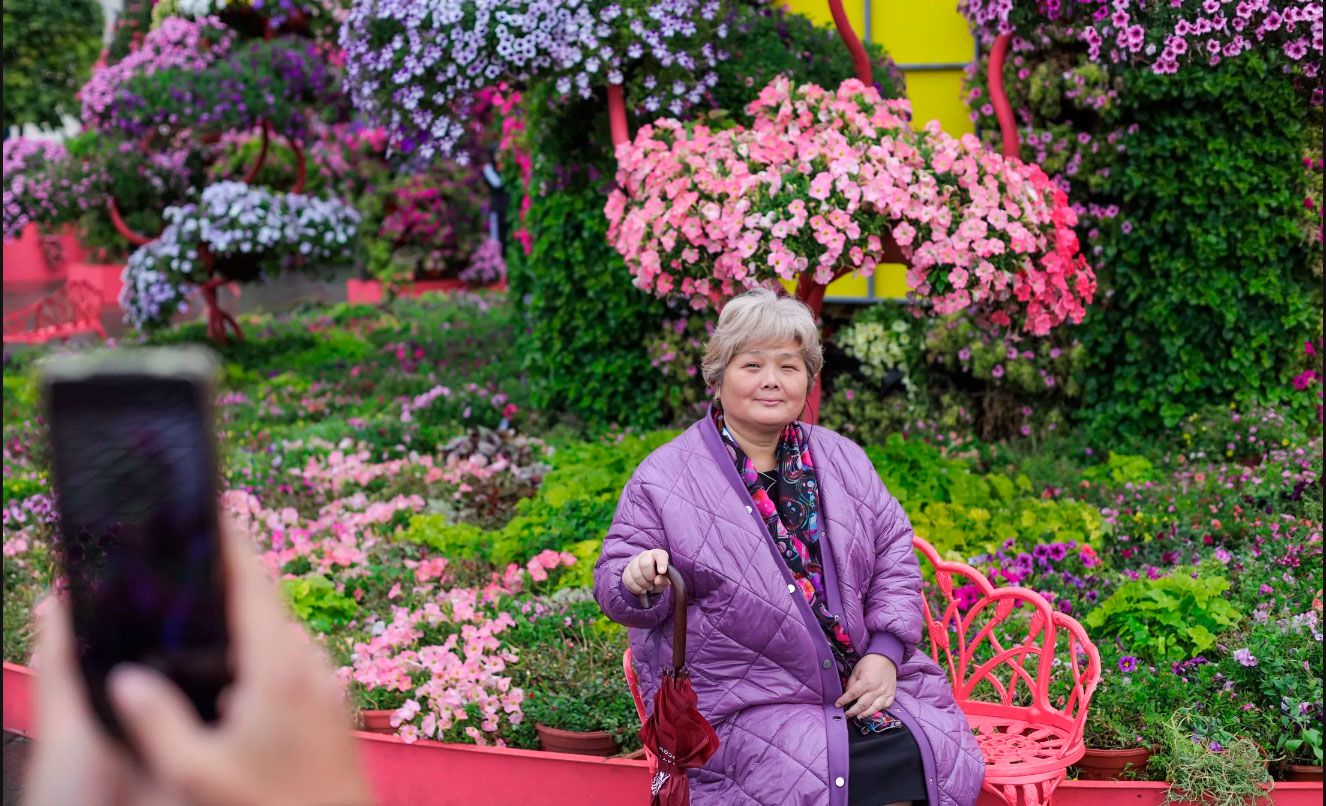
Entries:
{"x":1122,"y":469}
{"x":1167,"y":619}
{"x":962,"y":531}
{"x":571,"y":511}
{"x":1212,"y":289}
{"x":49,"y":48}
{"x":572,"y":675}
{"x":314,"y":601}
{"x":585,"y":348}
{"x":765,"y":42}
{"x":131,"y":25}
{"x":278,"y":169}
{"x":1283,"y":677}
{"x":1128,"y":709}
{"x":141,"y":191}
{"x":916,"y":472}
{"x":1232,"y":773}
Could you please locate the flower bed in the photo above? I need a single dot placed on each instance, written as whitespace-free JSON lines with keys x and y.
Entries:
{"x":408,"y":773}
{"x":438,"y":536}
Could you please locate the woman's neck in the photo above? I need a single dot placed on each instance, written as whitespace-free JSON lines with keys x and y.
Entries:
{"x":760,"y":445}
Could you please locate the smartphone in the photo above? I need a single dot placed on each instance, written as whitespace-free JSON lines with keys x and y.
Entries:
{"x":136,"y":476}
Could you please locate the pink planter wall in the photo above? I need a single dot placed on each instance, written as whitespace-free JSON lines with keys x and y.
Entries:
{"x":369,"y":292}
{"x":434,"y":774}
{"x":105,"y":277}
{"x":24,"y":262}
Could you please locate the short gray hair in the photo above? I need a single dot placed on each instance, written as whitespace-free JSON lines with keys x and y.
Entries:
{"x":756,"y":317}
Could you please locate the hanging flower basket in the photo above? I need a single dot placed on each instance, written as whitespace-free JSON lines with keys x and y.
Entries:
{"x":669,"y":50}
{"x":819,"y":185}
{"x":235,"y":233}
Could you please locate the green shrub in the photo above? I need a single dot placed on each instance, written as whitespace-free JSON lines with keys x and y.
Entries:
{"x":1206,"y":286}
{"x":1122,"y":469}
{"x":1167,"y":619}
{"x":766,"y":42}
{"x":585,"y":344}
{"x":314,"y":601}
{"x":570,"y":668}
{"x":960,"y":531}
{"x":49,"y":48}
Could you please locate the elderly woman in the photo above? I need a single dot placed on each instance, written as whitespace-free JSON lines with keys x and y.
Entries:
{"x":805,"y":605}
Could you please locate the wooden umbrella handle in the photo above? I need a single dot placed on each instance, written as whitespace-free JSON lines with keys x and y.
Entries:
{"x":678,"y":617}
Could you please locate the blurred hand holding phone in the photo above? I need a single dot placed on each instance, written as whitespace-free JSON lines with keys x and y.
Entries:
{"x":169,"y":639}
{"x":136,"y":479}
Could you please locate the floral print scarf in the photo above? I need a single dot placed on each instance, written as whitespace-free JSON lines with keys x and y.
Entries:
{"x":790,"y":509}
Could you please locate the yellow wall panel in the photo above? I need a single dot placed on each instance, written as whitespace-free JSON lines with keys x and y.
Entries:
{"x":918,"y":31}
{"x":938,"y":96}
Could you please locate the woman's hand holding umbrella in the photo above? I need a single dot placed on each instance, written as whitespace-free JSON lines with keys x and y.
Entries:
{"x":647,"y":572}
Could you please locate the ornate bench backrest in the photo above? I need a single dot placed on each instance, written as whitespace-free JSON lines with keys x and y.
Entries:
{"x":1006,"y":646}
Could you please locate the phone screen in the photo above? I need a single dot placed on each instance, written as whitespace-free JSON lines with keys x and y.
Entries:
{"x":135,"y":478}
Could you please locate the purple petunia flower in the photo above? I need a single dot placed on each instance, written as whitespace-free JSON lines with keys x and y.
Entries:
{"x":1128,"y":664}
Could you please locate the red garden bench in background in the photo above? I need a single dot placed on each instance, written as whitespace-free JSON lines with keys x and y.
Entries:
{"x":73,"y":308}
{"x":1021,"y":671}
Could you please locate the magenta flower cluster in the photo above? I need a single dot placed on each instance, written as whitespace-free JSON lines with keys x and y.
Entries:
{"x":38,"y":188}
{"x":1169,"y":34}
{"x":486,"y":265}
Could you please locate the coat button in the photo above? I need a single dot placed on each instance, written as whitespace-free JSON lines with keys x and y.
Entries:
{"x":828,"y":663}
{"x":749,"y":510}
{"x":791,"y":588}
{"x":839,"y":781}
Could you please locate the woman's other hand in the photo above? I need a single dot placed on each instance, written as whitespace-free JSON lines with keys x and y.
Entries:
{"x":871,"y":687}
{"x":647,"y":572}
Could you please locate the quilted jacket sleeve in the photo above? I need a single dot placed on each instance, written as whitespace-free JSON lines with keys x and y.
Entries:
{"x":893,"y":598}
{"x":635,"y":528}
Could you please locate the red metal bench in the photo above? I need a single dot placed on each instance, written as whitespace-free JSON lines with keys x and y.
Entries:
{"x":73,"y":308}
{"x":1021,"y":671}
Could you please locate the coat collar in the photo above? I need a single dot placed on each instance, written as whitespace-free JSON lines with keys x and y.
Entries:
{"x":718,"y":451}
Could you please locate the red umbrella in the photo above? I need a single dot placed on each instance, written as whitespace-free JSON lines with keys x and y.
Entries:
{"x":678,"y":736}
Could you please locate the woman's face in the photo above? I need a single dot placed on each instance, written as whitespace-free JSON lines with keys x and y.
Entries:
{"x":764,"y":386}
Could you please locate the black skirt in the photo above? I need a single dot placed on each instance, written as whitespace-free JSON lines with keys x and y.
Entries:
{"x":884,"y":767}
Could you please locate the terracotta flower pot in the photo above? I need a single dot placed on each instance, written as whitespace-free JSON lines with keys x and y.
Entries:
{"x":1108,"y":765}
{"x":376,"y":721}
{"x":591,"y":743}
{"x":1303,"y":772}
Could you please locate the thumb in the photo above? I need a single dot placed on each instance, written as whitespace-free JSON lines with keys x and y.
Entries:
{"x":161,"y":723}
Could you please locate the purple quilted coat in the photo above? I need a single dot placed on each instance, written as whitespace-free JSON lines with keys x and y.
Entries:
{"x":759,"y":661}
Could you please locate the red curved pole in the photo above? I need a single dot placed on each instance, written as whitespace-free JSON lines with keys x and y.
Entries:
{"x":999,"y":98}
{"x":122,"y":227}
{"x":853,"y":43}
{"x":617,"y":115}
{"x":263,"y":135}
{"x":217,"y":319}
